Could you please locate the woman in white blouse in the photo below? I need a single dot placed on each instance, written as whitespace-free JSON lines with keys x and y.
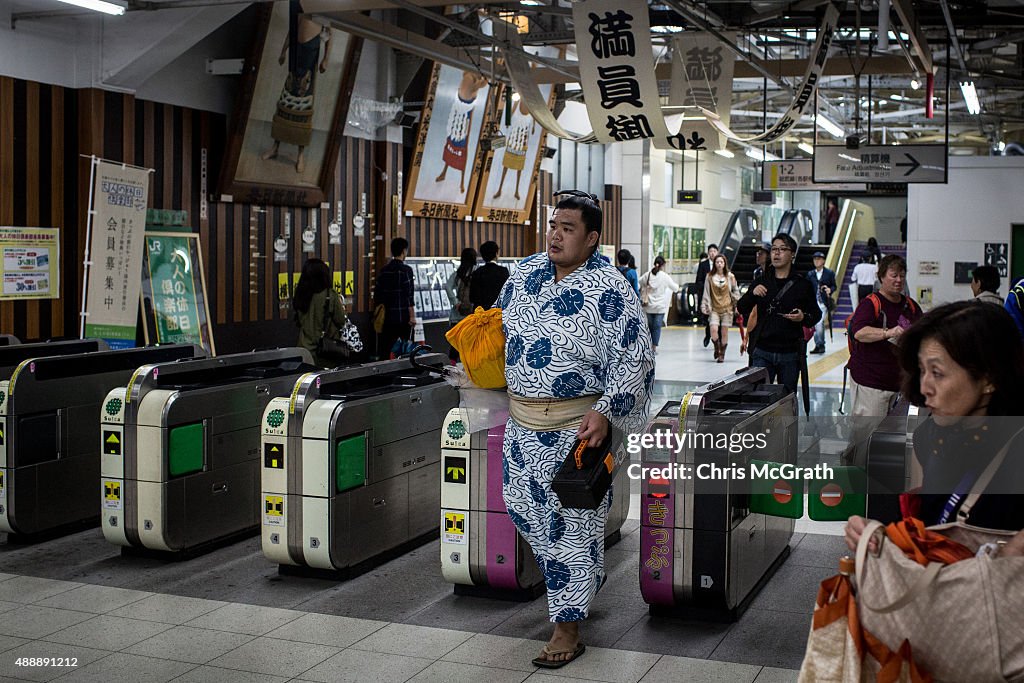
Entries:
{"x":656,"y":287}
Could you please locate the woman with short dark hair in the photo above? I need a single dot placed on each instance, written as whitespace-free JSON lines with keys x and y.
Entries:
{"x":971,"y":388}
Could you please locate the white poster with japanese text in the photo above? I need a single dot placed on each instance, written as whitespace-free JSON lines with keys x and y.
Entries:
{"x":617,"y":71}
{"x":702,"y":70}
{"x":120,"y":197}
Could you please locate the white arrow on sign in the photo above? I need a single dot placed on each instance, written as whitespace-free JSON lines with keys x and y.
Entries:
{"x":880,"y":164}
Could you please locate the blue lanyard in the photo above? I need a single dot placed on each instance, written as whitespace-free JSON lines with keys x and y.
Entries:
{"x":958,"y":493}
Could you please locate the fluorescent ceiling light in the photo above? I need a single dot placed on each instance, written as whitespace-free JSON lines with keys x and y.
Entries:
{"x":803,"y":146}
{"x":830,"y":126}
{"x":724,"y":153}
{"x":532,"y":3}
{"x":898,"y":98}
{"x":970,"y":97}
{"x":98,"y":5}
{"x":667,"y":29}
{"x":756,"y":154}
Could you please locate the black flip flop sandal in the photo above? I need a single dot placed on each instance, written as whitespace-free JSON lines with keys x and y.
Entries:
{"x":549,"y":664}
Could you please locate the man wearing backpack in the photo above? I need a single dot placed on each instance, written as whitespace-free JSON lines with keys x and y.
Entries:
{"x":874,"y":330}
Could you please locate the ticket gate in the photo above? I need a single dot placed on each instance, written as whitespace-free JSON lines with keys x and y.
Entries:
{"x":8,"y":340}
{"x":12,"y":355}
{"x":49,"y":432}
{"x":703,"y":553}
{"x":482,"y":553}
{"x":181,"y":445}
{"x":350,"y":465}
{"x":890,"y":454}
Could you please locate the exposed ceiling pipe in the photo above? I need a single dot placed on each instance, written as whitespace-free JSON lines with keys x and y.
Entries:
{"x":883,"y":24}
{"x":952,"y":36}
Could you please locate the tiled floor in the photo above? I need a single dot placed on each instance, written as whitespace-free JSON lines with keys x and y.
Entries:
{"x":236,"y":642}
{"x":228,"y":616}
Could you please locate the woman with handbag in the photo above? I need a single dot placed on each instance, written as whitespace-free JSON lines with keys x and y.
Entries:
{"x":719,"y":303}
{"x":963,"y":382}
{"x":457,"y":289}
{"x":319,"y":312}
{"x":656,"y":287}
{"x":949,"y":579}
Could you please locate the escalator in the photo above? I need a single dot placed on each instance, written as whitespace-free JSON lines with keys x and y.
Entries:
{"x":740,"y":242}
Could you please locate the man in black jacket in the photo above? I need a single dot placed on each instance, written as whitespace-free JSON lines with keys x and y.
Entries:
{"x":703,"y":268}
{"x":486,"y":282}
{"x":786,"y":303}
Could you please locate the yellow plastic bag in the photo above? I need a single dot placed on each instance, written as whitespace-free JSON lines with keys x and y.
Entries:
{"x":480,"y":342}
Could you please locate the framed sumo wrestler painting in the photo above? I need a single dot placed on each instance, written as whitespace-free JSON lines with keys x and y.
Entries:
{"x":446,"y":163}
{"x":291,"y":112}
{"x":509,"y":173}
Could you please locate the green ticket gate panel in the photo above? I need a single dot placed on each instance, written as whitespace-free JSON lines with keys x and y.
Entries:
{"x":776,"y":496}
{"x":833,"y":500}
{"x":350,"y":462}
{"x":185,"y":449}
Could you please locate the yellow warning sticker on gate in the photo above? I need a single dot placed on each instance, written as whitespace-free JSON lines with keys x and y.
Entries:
{"x":273,"y":510}
{"x":454,"y":527}
{"x":111,"y":495}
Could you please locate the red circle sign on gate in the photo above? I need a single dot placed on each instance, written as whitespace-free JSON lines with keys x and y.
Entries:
{"x":831,"y":495}
{"x":782,"y":491}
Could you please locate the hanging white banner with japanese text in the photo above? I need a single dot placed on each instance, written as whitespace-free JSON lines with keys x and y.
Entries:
{"x":702,"y":71}
{"x":617,"y":71}
{"x":120,"y":196}
{"x":815,"y":67}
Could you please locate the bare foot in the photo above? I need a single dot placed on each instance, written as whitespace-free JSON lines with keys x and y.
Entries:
{"x":517,"y":196}
{"x":564,"y":640}
{"x":439,"y":178}
{"x":497,"y":194}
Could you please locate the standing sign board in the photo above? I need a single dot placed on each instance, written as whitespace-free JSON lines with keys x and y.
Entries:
{"x":174,"y":303}
{"x":120,"y":194}
{"x":31,"y":263}
{"x":798,"y":174}
{"x":881,"y":164}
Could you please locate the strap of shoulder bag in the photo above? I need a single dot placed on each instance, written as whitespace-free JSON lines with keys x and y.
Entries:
{"x":983,"y":481}
{"x":876,"y":530}
{"x":327,"y":315}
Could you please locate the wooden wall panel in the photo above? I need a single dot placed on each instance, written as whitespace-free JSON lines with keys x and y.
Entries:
{"x":45,"y":130}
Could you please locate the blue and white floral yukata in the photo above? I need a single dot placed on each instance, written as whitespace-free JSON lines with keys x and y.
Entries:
{"x":584,"y":335}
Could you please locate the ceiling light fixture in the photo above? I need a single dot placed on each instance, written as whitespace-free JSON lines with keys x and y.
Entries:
{"x":970,"y":97}
{"x":915,"y":84}
{"x":724,"y":153}
{"x":898,"y":98}
{"x":804,"y":147}
{"x":830,"y":126}
{"x":531,"y":3}
{"x":757,"y":155}
{"x":98,"y":5}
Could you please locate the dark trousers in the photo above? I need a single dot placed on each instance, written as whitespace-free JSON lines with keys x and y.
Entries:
{"x":863,"y":291}
{"x":388,"y":335}
{"x":783,"y":368}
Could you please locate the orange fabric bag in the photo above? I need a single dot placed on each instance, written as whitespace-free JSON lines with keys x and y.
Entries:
{"x":480,"y":342}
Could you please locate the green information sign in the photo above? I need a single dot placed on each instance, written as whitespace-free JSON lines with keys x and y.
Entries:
{"x":174,"y":301}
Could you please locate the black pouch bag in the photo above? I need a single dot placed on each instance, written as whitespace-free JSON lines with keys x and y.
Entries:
{"x":586,"y":474}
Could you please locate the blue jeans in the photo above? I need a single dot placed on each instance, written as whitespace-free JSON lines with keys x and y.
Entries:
{"x":783,"y":368}
{"x":819,"y":329}
{"x":655,"y":321}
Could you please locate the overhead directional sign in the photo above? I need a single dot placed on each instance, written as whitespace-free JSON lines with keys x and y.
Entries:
{"x":798,"y":174}
{"x":881,"y":164}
